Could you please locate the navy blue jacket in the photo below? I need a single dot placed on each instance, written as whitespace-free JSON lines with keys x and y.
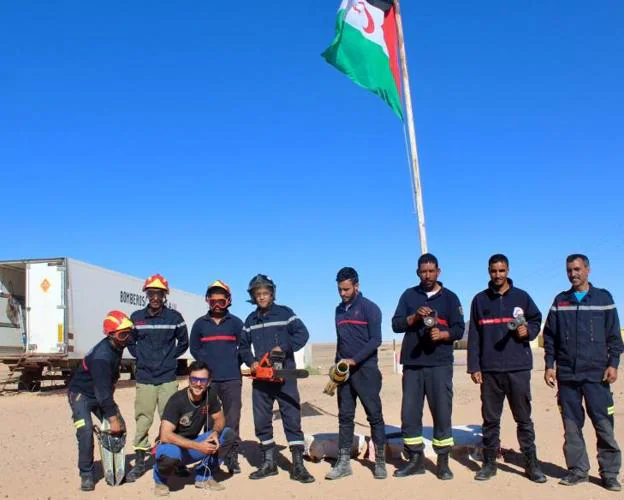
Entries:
{"x":358,"y":328}
{"x":492,"y":347}
{"x":583,"y":338}
{"x":217,"y":345}
{"x":97,"y":375}
{"x":156,"y":343}
{"x":417,"y":348}
{"x":279,"y":326}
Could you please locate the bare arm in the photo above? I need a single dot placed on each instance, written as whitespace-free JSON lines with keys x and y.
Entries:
{"x":218,"y":421}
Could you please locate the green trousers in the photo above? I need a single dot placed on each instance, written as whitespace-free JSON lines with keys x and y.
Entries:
{"x":149,"y":396}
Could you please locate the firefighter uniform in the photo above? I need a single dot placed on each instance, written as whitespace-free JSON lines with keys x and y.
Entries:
{"x":358,"y":330}
{"x":504,"y":360}
{"x":582,"y":339}
{"x":427,"y":367}
{"x":279,"y":326}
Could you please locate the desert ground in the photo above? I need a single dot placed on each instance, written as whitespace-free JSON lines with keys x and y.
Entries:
{"x":39,"y":451}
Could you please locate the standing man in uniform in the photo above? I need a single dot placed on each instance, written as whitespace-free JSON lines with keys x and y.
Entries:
{"x":91,"y":391}
{"x":272,"y":327}
{"x":160,"y":337}
{"x":432,"y":319}
{"x":358,"y":329}
{"x":503,"y":320}
{"x":214,"y":340}
{"x":582,"y":341}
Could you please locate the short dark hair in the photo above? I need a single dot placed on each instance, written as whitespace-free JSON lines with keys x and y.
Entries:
{"x":348,"y":273}
{"x":196,"y":366}
{"x":574,"y":256}
{"x":427,"y":258}
{"x":498,"y":257}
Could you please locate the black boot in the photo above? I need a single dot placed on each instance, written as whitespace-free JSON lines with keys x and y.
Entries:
{"x":380,"y":463}
{"x":87,"y":483}
{"x":233,"y":465}
{"x":415,"y":465}
{"x":489,"y":466}
{"x":443,"y":471}
{"x":532,"y":468}
{"x":139,"y":467}
{"x":611,"y":483}
{"x":268,"y":467}
{"x":298,"y":472}
{"x":342,"y":467}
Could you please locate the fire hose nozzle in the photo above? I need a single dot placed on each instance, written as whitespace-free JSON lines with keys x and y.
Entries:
{"x":338,"y":374}
{"x":516,"y":322}
{"x":431,"y":320}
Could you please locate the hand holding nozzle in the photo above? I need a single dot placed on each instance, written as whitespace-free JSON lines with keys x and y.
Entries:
{"x":338,"y":374}
{"x":518,"y":325}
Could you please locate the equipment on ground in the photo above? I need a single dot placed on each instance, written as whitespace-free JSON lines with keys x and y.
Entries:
{"x":338,"y":374}
{"x":112,"y":453}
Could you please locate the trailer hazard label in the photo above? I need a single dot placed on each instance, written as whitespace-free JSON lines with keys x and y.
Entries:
{"x":45,"y":285}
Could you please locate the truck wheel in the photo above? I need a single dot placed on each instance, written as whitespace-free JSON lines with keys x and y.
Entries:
{"x":30,"y":380}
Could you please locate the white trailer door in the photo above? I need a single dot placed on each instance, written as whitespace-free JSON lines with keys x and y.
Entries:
{"x":45,"y":308}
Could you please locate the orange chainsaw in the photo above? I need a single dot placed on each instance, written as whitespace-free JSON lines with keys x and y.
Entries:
{"x":270,"y":369}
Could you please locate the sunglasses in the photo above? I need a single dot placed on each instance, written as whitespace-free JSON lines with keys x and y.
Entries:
{"x":199,"y":380}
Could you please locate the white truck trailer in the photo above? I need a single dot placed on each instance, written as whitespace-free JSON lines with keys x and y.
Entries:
{"x":51,"y":313}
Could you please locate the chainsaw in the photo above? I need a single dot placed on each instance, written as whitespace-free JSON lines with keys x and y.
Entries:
{"x":271,"y":369}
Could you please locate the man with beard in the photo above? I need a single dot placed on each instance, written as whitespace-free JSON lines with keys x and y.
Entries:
{"x":358,"y":331}
{"x":431,"y":317}
{"x":503,"y":320}
{"x":160,"y":337}
{"x":181,"y":444}
{"x":214,"y":340}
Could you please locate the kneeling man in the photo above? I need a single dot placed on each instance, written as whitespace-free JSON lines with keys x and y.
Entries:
{"x":181,"y":444}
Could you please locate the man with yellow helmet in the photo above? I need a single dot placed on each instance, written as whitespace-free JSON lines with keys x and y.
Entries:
{"x":160,"y":337}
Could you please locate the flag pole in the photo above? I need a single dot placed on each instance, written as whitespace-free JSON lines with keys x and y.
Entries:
{"x":411,"y":131}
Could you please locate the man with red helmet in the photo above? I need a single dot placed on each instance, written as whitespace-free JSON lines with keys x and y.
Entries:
{"x":91,"y":391}
{"x":214,"y":340}
{"x":159,"y":338}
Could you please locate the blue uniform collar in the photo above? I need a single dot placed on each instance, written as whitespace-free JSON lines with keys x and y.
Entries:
{"x":348,"y":305}
{"x":158,"y":315}
{"x":227,"y":316}
{"x":422,"y":291}
{"x":269,"y":312}
{"x":570,"y":292}
{"x":493,"y":292}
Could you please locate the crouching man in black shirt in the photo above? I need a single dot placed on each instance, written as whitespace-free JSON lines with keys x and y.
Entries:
{"x":181,"y":444}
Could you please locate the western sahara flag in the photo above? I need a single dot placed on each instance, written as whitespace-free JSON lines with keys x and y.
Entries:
{"x":365,"y":48}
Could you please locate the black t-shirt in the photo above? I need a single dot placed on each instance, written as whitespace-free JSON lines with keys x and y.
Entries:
{"x":188,"y":417}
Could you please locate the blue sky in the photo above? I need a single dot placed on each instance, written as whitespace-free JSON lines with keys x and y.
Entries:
{"x":210,"y":140}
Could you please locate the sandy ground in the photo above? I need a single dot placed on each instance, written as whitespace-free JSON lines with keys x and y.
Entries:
{"x":39,"y":451}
